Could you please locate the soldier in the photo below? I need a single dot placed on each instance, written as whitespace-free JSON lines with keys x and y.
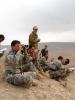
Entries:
{"x":13,"y":61}
{"x":27,"y":62}
{"x":58,"y":70}
{"x":33,"y":38}
{"x":1,"y":40}
{"x":44,"y":63}
{"x":43,"y":51}
{"x":34,"y":53}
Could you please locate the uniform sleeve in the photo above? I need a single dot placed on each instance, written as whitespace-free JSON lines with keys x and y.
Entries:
{"x":9,"y":60}
{"x":44,"y":62}
{"x":9,"y":65}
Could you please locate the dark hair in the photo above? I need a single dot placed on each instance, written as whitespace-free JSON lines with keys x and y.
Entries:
{"x":14,"y":42}
{"x":67,"y":61}
{"x":2,"y":37}
{"x":60,"y":58}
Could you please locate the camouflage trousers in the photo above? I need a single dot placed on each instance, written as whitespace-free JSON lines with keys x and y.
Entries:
{"x":25,"y":79}
{"x":28,"y":67}
{"x":45,"y":68}
{"x":57,"y":74}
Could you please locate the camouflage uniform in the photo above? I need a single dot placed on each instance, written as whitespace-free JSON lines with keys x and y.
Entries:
{"x":44,"y":64}
{"x":28,"y":64}
{"x":25,"y":79}
{"x":57,"y":70}
{"x":12,"y":62}
{"x":33,"y":40}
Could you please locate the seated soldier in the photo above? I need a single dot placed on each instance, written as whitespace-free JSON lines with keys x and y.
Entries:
{"x":27,"y":61}
{"x":43,"y":51}
{"x":44,"y":63}
{"x":13,"y":61}
{"x":34,"y":53}
{"x":57,"y":69}
{"x":1,"y":40}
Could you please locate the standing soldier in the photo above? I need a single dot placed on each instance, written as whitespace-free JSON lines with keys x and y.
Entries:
{"x":33,"y":41}
{"x":33,"y":38}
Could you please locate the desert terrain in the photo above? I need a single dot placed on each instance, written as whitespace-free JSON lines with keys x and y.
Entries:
{"x":46,"y":89}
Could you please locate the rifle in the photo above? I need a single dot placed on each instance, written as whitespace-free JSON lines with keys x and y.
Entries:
{"x":71,"y":69}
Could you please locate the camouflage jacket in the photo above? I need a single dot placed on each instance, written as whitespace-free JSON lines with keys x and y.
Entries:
{"x":43,"y":61}
{"x":33,"y":40}
{"x":56,"y":65}
{"x":12,"y":61}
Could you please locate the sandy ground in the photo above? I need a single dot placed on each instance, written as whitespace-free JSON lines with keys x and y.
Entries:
{"x":46,"y":89}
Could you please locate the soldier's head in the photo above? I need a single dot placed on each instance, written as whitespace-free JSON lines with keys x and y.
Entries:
{"x":15,"y":45}
{"x":35,"y":29}
{"x":46,"y":46}
{"x":2,"y":37}
{"x":66,"y":61}
{"x":32,"y":49}
{"x":60,"y":58}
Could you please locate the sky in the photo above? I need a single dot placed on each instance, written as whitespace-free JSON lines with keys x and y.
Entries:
{"x":55,"y":20}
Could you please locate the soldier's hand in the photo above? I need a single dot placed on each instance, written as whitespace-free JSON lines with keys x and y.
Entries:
{"x":30,"y":58}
